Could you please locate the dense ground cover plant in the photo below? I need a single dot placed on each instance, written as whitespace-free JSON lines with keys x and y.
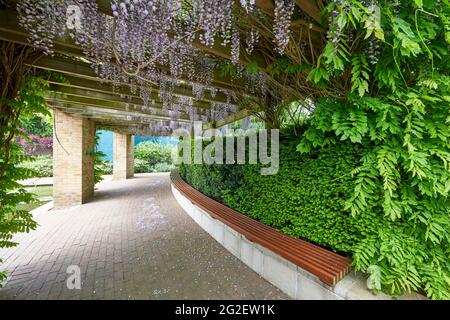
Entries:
{"x":305,"y":199}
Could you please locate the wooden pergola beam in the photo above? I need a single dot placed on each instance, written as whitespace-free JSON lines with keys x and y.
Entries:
{"x":11,"y":31}
{"x":80,"y":74}
{"x":309,"y":7}
{"x":83,"y":99}
{"x":106,"y":114}
{"x":230,"y":119}
{"x":109,"y":93}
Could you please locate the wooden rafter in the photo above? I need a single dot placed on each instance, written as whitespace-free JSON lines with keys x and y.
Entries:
{"x":309,"y":7}
{"x":117,"y":93}
{"x":85,"y":89}
{"x":230,"y":119}
{"x":100,"y":97}
{"x":106,"y":111}
{"x":268,"y":7}
{"x":12,"y":32}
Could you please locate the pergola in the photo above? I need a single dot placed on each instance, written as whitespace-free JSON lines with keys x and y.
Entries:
{"x":83,"y":101}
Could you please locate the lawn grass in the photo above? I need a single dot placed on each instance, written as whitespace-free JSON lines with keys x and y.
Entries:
{"x":41,"y":191}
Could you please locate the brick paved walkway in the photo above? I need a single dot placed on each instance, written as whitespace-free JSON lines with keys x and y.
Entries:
{"x":132,"y":241}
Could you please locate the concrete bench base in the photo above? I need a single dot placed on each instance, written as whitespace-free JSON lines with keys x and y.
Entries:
{"x":291,"y":279}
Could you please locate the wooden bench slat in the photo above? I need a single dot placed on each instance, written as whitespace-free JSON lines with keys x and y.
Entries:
{"x":306,"y":246}
{"x":321,"y":258}
{"x":326,"y":265}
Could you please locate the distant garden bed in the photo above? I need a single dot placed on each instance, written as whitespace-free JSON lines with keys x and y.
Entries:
{"x":149,"y":157}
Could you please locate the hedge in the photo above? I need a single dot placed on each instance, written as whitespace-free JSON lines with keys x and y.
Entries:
{"x":308,"y":199}
{"x":305,"y":199}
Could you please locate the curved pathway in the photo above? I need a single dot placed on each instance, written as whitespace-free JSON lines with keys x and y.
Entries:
{"x":132,"y":241}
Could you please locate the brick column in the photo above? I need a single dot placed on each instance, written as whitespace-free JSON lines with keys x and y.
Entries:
{"x":73,"y":160}
{"x":123,"y":156}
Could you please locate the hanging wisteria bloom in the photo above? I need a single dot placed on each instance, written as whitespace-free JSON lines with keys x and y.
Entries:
{"x":252,"y":39}
{"x":235,"y":47}
{"x":198,"y":90}
{"x":248,"y":5}
{"x":213,"y":92}
{"x":156,"y":48}
{"x":283,"y":12}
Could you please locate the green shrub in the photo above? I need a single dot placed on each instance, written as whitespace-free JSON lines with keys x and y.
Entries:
{"x":99,"y":166}
{"x":308,"y":199}
{"x":105,"y":166}
{"x":141,"y":166}
{"x":41,"y":166}
{"x":153,"y":153}
{"x":152,"y":157}
{"x":163,"y":167}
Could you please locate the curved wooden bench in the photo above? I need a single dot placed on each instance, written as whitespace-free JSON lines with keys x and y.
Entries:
{"x":328,"y":266}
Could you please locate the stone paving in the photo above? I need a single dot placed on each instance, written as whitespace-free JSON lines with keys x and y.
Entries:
{"x":133,"y":241}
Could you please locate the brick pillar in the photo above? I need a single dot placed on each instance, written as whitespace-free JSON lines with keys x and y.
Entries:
{"x":123,"y":156}
{"x":73,"y":160}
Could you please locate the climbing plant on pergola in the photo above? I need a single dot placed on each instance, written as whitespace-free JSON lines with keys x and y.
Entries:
{"x":376,"y":72}
{"x":164,"y":44}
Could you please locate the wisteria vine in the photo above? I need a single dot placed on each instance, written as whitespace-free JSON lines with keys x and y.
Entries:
{"x":152,"y":44}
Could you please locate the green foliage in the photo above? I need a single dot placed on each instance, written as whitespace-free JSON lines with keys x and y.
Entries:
{"x":39,"y":166}
{"x":231,"y":70}
{"x":100,"y":166}
{"x":163,"y":167}
{"x":283,"y":65}
{"x":360,"y":75}
{"x":305,"y":199}
{"x":13,"y":220}
{"x":30,"y":101}
{"x":31,"y":98}
{"x":347,"y":196}
{"x":152,"y":157}
{"x":403,"y":177}
{"x":43,"y":166}
{"x":153,"y":153}
{"x":252,"y":67}
{"x":142,"y":166}
{"x":212,"y":180}
{"x":40,"y":125}
{"x":106,"y":167}
{"x":399,"y":105}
